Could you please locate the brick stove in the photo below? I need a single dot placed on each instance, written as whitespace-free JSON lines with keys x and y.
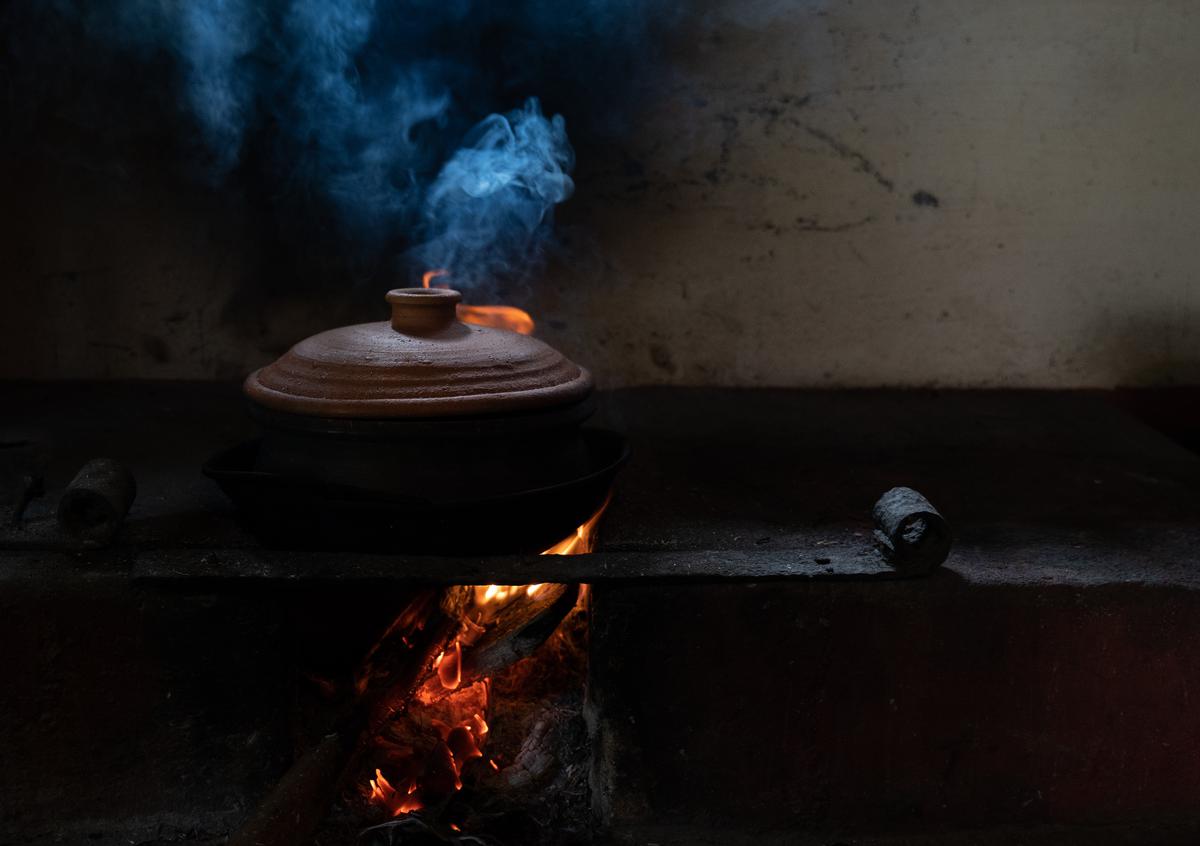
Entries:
{"x":756,"y":673}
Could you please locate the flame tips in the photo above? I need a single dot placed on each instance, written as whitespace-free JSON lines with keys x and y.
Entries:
{"x":498,"y":317}
{"x":378,"y":785}
{"x":583,"y":541}
{"x":430,"y":275}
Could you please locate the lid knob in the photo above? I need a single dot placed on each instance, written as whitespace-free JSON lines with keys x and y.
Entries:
{"x":423,"y":311}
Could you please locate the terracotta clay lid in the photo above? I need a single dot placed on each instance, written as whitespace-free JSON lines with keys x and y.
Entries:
{"x":424,"y":363}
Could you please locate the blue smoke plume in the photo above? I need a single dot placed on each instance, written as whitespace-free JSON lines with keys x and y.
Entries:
{"x":491,"y":203}
{"x":213,"y":39}
{"x":408,"y":133}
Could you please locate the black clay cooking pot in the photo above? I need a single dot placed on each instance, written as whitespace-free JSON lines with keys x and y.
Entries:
{"x":423,"y":406}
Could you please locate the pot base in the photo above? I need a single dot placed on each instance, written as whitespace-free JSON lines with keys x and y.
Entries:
{"x":440,"y":460}
{"x":286,"y":511}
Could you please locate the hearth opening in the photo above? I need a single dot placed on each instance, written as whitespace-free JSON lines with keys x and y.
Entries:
{"x":463,"y":718}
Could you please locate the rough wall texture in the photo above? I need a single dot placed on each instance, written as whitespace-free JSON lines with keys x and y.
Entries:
{"x":949,"y":192}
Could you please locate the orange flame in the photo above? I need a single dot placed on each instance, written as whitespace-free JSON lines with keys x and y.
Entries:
{"x":394,"y":800}
{"x":583,"y":542}
{"x":497,"y":316}
{"x":498,"y":594}
{"x":430,"y":275}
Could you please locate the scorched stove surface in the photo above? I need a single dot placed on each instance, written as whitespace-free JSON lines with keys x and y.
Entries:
{"x":741,"y":484}
{"x":147,"y":686}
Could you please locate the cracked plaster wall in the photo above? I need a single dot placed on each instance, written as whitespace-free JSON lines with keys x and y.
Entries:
{"x":956,"y":193}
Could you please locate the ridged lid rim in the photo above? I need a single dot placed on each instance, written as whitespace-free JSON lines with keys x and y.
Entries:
{"x":424,"y":318}
{"x":550,"y":396}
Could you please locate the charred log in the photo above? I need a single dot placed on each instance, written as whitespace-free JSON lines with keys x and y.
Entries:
{"x":97,"y":500}
{"x":913,"y":535}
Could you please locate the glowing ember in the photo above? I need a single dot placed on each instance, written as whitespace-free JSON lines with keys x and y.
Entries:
{"x":428,"y":778}
{"x":497,"y":316}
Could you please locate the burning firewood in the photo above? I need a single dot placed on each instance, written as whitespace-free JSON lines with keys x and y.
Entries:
{"x":519,"y":634}
{"x":425,"y":753}
{"x":440,"y":646}
{"x":390,"y":676}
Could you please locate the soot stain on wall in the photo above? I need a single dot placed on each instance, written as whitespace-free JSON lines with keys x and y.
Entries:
{"x":925,"y":198}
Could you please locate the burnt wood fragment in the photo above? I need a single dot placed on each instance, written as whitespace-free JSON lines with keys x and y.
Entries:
{"x":913,"y":535}
{"x":97,"y":500}
{"x":89,"y":512}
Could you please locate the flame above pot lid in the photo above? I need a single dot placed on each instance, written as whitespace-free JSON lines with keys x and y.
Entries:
{"x":424,"y":363}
